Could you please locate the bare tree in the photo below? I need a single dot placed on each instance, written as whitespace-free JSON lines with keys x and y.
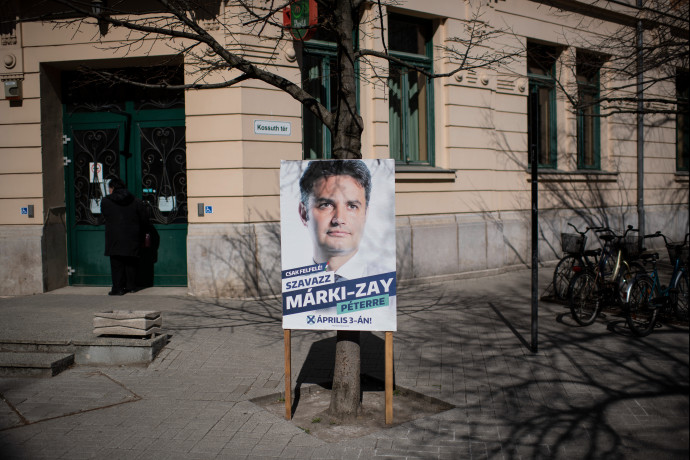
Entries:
{"x":642,"y":50}
{"x":200,"y":30}
{"x":624,"y":58}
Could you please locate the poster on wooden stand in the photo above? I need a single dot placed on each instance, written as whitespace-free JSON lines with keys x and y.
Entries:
{"x":338,"y":250}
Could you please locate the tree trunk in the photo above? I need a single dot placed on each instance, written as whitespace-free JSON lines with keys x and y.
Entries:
{"x":345,"y":395}
{"x":347,"y":143}
{"x":347,"y":127}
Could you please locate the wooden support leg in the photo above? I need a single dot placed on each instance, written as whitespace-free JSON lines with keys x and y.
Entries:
{"x":389,"y":378}
{"x":288,"y":376}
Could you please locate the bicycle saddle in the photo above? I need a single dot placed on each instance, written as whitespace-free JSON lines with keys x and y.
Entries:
{"x":649,"y":256}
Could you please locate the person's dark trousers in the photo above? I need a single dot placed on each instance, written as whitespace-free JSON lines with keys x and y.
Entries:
{"x":123,"y":270}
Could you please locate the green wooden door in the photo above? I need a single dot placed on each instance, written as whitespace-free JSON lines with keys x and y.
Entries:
{"x":93,"y":152}
{"x":162,"y":176}
{"x":144,"y":144}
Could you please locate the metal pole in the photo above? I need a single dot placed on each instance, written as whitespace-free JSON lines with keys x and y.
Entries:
{"x":640,"y":125}
{"x":534,"y":108}
{"x":535,"y":252}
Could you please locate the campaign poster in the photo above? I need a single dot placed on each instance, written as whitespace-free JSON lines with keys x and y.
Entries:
{"x":338,"y":244}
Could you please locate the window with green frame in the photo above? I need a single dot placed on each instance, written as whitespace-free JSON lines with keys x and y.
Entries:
{"x":541,"y":107}
{"x":588,"y":66}
{"x":319,"y":80}
{"x":683,"y":120}
{"x":410,"y":92}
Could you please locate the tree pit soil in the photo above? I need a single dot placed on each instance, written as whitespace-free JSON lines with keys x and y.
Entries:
{"x":311,"y":407}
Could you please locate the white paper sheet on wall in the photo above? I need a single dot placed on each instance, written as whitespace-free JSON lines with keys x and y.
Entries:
{"x":166,"y":203}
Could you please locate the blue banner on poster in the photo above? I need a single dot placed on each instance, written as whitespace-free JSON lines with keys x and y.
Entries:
{"x":348,"y":296}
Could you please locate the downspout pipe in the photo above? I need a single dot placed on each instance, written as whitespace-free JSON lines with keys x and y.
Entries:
{"x":640,"y":124}
{"x":534,"y":108}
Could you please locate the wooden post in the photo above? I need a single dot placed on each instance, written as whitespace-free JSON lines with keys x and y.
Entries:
{"x":288,"y":376}
{"x":389,"y":377}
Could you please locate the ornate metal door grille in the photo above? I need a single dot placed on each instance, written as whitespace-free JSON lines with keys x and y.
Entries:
{"x":99,"y":148}
{"x":163,"y":173}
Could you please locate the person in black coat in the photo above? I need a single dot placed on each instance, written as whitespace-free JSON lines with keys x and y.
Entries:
{"x":125,"y":221}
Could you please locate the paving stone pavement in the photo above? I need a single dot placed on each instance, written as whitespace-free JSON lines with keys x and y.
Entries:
{"x":586,"y":393}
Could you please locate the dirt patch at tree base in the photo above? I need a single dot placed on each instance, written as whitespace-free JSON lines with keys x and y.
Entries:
{"x":310,"y":407}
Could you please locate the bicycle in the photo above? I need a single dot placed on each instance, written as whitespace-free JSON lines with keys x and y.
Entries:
{"x":576,"y":257}
{"x":648,"y":300}
{"x":591,"y":289}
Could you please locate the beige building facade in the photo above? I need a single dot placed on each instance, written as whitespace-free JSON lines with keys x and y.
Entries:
{"x":462,"y":195}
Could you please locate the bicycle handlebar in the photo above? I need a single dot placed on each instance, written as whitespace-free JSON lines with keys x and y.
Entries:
{"x":659,"y":234}
{"x":610,"y":231}
{"x":631,"y":229}
{"x":604,"y":229}
{"x":586,"y":229}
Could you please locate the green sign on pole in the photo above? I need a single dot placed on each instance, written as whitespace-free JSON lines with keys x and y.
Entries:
{"x":301,"y":18}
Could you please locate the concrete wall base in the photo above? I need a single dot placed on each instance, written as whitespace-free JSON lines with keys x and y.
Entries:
{"x":21,"y":270}
{"x":243,"y":260}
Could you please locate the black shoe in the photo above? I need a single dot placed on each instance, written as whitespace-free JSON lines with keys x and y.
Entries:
{"x":118,"y":292}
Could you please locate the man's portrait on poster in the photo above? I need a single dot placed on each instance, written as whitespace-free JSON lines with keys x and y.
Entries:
{"x":338,"y":219}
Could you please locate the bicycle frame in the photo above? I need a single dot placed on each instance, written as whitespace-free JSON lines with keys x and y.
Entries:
{"x":676,"y":276}
{"x":600,"y":274}
{"x":663,"y":292}
{"x":620,"y":263}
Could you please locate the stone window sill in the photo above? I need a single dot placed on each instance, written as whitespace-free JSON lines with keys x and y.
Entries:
{"x":554,"y":175}
{"x":414,"y":173}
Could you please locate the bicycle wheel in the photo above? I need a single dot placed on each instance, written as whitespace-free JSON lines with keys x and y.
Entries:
{"x":625,"y":280}
{"x":679,"y":298}
{"x":640,"y":314}
{"x":584,"y":298}
{"x":563,"y":274}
